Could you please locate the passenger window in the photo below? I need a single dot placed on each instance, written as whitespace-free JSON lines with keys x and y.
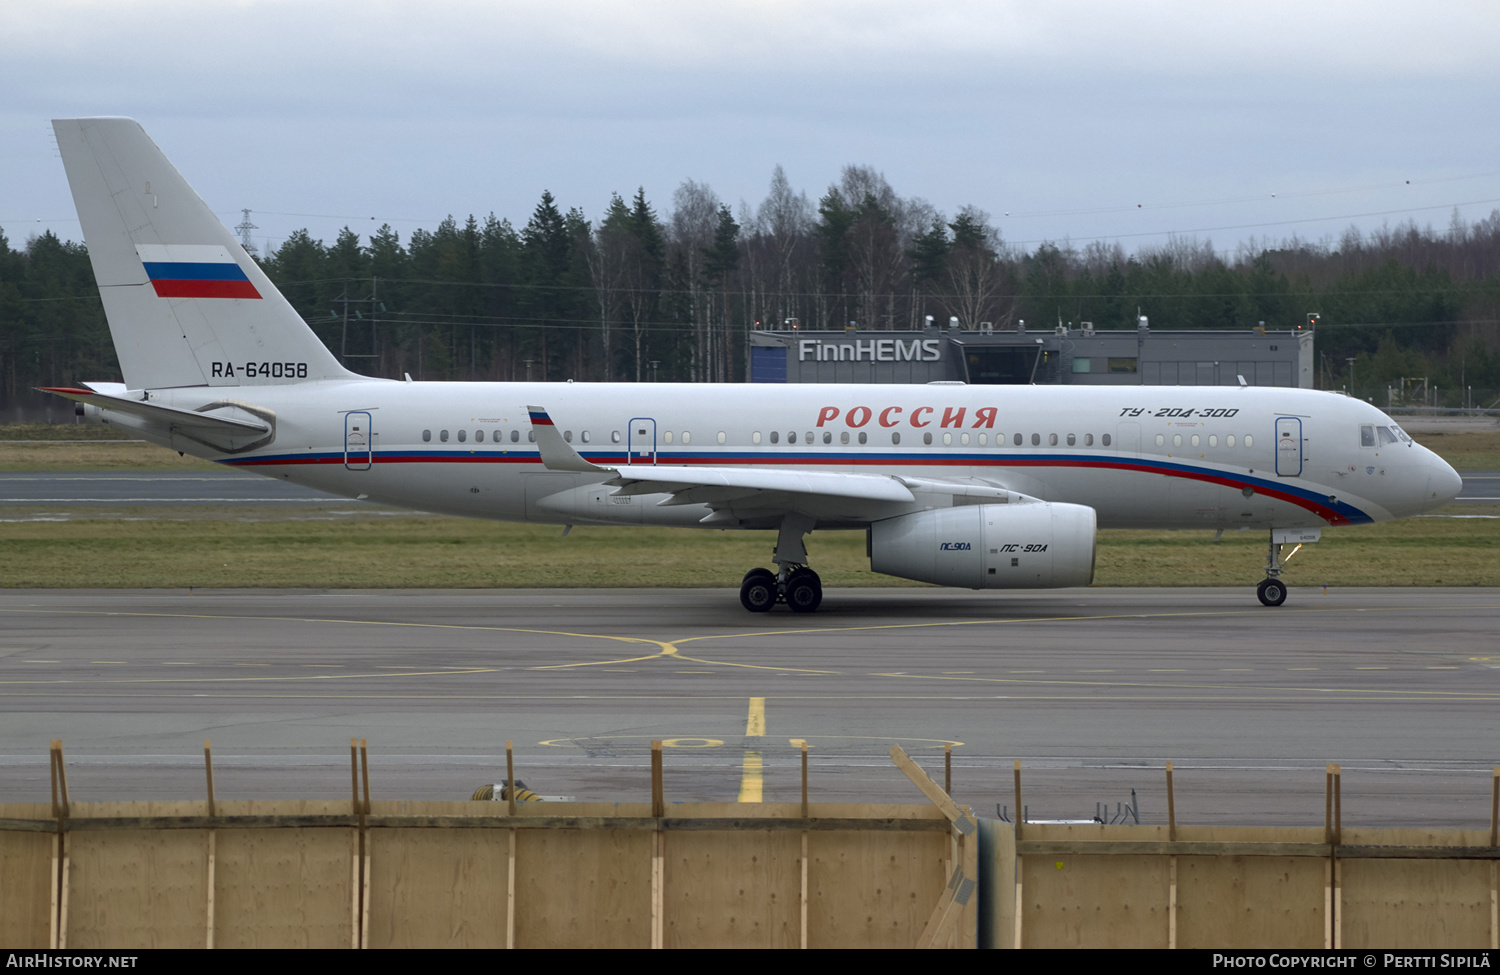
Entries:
{"x":755,"y":437}
{"x":443,"y":435}
{"x":721,"y":436}
{"x":1072,"y":440}
{"x":515,"y":436}
{"x":862,"y":437}
{"x":791,"y":436}
{"x":963,"y":438}
{"x":809,"y":437}
{"x":1195,"y":440}
{"x":463,"y":435}
{"x":1213,"y":439}
{"x":687,"y":436}
{"x":927,"y":439}
{"x":1229,"y":440}
{"x":984,"y":440}
{"x":584,"y":436}
{"x":1105,"y":440}
{"x":1161,"y":441}
{"x":567,"y":436}
{"x":1177,"y":440}
{"x":1036,"y":439}
{"x":947,"y":440}
{"x":895,"y":437}
{"x":1088,"y":439}
{"x":666,"y":436}
{"x":1052,"y":440}
{"x":479,"y":436}
{"x":1018,"y":440}
{"x":531,"y":436}
{"x":426,"y":436}
{"x":1249,"y":440}
{"x":775,"y":436}
{"x":828,"y":437}
{"x":844,"y":437}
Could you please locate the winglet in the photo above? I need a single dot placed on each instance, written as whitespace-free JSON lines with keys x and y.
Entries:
{"x":557,"y":453}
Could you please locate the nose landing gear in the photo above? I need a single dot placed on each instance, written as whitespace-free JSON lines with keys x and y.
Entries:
{"x":1272,"y":591}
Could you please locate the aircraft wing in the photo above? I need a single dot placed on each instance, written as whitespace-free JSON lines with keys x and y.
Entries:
{"x":760,"y":487}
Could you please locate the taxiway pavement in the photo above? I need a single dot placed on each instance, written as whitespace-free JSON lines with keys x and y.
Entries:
{"x":1093,"y":690}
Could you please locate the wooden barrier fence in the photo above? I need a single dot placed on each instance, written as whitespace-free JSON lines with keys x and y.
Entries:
{"x":361,"y":873}
{"x":1171,"y":886}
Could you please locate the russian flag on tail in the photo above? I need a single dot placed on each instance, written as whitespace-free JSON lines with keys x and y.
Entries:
{"x":194,"y":271}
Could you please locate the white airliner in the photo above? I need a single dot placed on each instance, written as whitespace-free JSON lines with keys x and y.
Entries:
{"x":983,"y":487}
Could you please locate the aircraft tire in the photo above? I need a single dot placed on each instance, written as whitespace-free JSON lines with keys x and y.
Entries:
{"x":1272,"y":592}
{"x":758,"y":591}
{"x":804,"y":591}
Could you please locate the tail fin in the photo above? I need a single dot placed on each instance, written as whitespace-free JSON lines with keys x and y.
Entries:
{"x":186,"y":305}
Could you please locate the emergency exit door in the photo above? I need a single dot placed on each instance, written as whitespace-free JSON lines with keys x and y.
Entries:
{"x":1288,"y":446}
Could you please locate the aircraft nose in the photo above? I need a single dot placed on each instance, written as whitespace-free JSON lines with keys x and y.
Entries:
{"x":1443,"y":482}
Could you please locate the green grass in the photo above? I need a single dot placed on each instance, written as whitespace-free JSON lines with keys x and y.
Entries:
{"x":224,"y":548}
{"x":247,"y":546}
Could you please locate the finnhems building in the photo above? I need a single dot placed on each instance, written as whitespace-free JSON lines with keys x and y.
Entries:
{"x":1059,"y":356}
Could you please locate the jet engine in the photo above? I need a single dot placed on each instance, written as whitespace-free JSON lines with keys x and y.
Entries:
{"x":1040,"y":545}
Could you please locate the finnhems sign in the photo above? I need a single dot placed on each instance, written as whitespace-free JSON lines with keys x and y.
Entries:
{"x":870,"y":350}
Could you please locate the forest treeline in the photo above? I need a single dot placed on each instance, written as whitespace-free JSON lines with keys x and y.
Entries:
{"x":642,"y":293}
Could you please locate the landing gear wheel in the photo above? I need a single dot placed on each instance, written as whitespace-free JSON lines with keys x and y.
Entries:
{"x":758,"y":590}
{"x":804,"y":591}
{"x":1272,"y":592}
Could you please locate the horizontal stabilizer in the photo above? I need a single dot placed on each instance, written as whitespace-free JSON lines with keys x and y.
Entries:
{"x":252,"y":426}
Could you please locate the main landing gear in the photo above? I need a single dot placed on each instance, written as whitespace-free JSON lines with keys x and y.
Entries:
{"x":794,"y":583}
{"x":1272,"y":591}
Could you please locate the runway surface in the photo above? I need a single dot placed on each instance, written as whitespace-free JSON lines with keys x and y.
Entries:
{"x":93,"y":488}
{"x":1094,"y":690}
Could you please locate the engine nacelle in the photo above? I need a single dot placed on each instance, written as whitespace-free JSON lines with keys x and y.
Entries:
{"x":989,"y":546}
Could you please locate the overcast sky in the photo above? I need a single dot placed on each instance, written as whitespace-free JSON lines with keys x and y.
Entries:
{"x":1080,"y":120}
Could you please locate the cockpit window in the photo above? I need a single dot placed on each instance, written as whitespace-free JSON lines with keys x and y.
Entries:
{"x":1386,"y":435}
{"x":1405,"y":438}
{"x":1367,"y":435}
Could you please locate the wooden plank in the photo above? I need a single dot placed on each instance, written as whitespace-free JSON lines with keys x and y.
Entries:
{"x":510,"y":890}
{"x":1088,"y":901}
{"x":54,"y":932}
{"x":293,"y":888}
{"x":658,"y":878}
{"x":584,"y":889}
{"x":731,"y":890}
{"x":28,"y":877}
{"x":136,"y":889}
{"x":802,"y":894}
{"x":510,"y":778}
{"x":209,"y":885}
{"x":431,"y":889}
{"x":66,"y":874}
{"x":1093,"y":847}
{"x":929,"y":788}
{"x":1411,"y":902}
{"x":1494,"y":908}
{"x":18,"y":825}
{"x":871,"y":890}
{"x":354,"y":887}
{"x":946,"y":912}
{"x":658,"y":797}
